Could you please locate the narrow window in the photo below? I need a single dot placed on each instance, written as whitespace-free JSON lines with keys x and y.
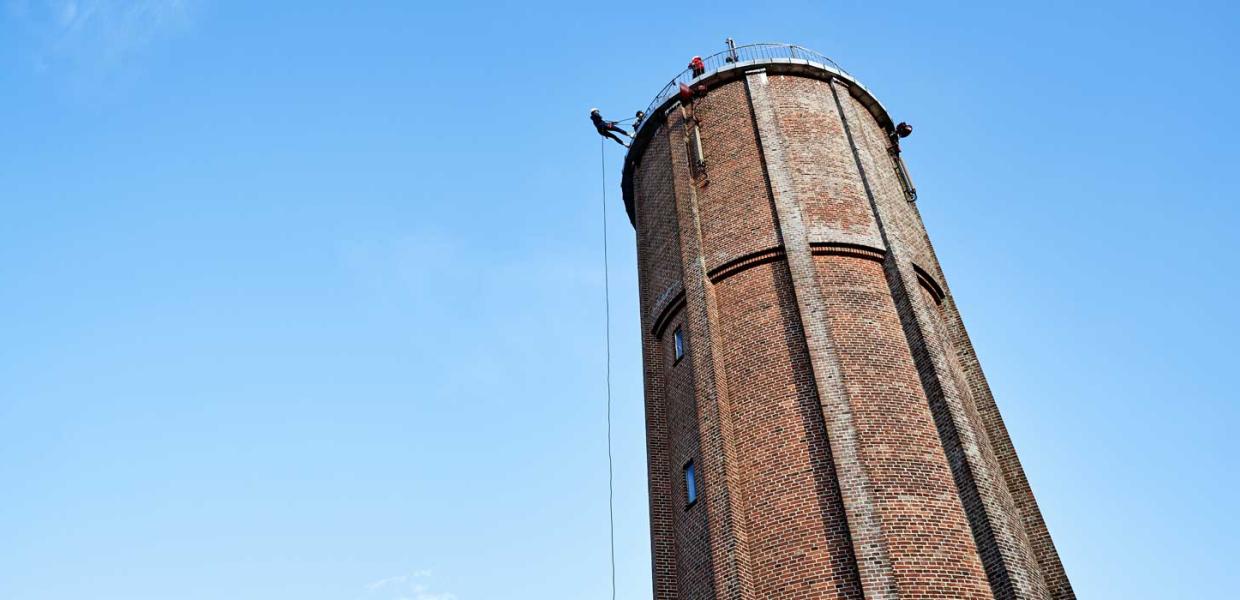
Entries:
{"x":678,"y":343}
{"x":697,"y":156}
{"x":690,"y":484}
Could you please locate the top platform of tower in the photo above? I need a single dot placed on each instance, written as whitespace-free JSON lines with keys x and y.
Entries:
{"x":730,"y":65}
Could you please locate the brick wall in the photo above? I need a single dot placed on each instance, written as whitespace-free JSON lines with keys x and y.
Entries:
{"x":798,"y":538}
{"x":845,"y":440}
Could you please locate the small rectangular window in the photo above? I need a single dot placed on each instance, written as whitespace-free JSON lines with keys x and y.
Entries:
{"x":678,"y":343}
{"x":690,"y":484}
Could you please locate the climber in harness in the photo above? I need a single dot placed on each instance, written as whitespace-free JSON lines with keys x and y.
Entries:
{"x":605,"y":128}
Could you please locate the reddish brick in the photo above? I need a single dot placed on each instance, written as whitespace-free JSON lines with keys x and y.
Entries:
{"x":846,"y":443}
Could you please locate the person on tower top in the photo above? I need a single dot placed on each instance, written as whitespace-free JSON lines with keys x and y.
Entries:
{"x":638,"y":119}
{"x":698,"y":66}
{"x":605,"y":128}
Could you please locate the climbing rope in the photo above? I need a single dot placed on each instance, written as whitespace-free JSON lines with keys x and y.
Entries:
{"x":611,"y":491}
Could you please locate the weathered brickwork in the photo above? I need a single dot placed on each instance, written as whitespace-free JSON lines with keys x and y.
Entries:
{"x":1014,"y":475}
{"x":735,"y":209}
{"x":1011,"y":557}
{"x":692,"y":535}
{"x":839,"y":416}
{"x":820,"y":162}
{"x":657,"y":246}
{"x":1000,"y":539}
{"x":914,"y":488}
{"x":845,"y":441}
{"x":798,"y":537}
{"x":723,"y":493}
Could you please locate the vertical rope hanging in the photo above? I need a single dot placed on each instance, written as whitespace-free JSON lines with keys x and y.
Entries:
{"x":611,"y":493}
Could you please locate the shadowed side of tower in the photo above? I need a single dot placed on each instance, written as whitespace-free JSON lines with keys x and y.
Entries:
{"x":817,"y":423}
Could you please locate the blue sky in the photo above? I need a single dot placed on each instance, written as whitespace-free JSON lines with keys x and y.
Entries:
{"x":303,"y":300}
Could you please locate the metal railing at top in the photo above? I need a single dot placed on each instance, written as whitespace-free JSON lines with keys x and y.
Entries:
{"x":734,"y":56}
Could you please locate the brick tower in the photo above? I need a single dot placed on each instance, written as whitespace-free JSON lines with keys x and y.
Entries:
{"x":818,"y":425}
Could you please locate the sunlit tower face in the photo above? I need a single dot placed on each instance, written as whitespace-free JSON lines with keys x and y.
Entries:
{"x":818,"y":425}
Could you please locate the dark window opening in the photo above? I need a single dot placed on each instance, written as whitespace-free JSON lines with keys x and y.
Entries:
{"x":678,"y":344}
{"x":691,"y":492}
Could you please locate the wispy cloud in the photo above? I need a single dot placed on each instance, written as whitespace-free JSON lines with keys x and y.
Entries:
{"x":96,"y":35}
{"x":410,"y":586}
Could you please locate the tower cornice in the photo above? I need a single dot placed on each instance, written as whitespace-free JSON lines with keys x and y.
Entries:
{"x":776,"y":59}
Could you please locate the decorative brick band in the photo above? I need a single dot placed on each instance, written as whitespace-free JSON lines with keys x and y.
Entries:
{"x":669,"y":296}
{"x":669,"y":311}
{"x":845,"y":249}
{"x":878,"y":255}
{"x":761,"y":257}
{"x":745,"y":262}
{"x":927,"y":281}
{"x":669,"y":305}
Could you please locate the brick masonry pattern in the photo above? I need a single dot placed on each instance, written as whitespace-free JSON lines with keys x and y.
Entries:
{"x":846,"y":442}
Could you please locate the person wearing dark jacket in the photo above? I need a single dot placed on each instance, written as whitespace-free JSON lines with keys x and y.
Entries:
{"x":638,"y":119}
{"x":605,"y":128}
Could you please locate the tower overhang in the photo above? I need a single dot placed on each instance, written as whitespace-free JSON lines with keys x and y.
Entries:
{"x":822,"y":68}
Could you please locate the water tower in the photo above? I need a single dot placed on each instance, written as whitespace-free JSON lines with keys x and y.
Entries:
{"x":818,"y":424}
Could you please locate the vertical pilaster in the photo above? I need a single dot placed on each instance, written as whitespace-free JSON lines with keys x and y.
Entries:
{"x":721,"y":476}
{"x":658,"y":455}
{"x":1053,"y":573}
{"x":874,"y":563}
{"x":1006,"y":554}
